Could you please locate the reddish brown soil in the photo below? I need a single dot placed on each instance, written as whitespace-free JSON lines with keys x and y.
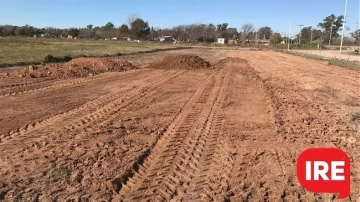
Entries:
{"x":232,"y":133}
{"x":79,"y":67}
{"x":180,"y":62}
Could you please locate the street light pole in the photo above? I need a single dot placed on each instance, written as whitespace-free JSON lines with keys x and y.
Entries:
{"x":330,"y":35}
{"x":300,"y":33}
{"x":343,"y":30}
{"x":289,"y":36}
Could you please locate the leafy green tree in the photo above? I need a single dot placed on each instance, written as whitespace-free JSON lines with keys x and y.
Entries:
{"x":139,"y":29}
{"x":109,"y":26}
{"x":221,"y":30}
{"x":74,"y":32}
{"x":124,"y":30}
{"x":265,"y":33}
{"x":89,"y":26}
{"x":231,"y":33}
{"x":275,"y":38}
{"x":331,"y":25}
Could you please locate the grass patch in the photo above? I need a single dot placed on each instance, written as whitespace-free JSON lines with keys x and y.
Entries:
{"x":17,"y":50}
{"x":61,"y":173}
{"x":355,"y":65}
{"x":355,"y":116}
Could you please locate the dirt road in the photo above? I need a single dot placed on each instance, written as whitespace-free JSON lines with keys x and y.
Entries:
{"x":232,"y":133}
{"x":346,"y":55}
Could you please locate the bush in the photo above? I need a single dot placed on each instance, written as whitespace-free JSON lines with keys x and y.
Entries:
{"x":52,"y":59}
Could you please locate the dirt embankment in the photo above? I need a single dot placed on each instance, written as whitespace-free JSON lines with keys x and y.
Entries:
{"x":79,"y":67}
{"x":181,"y":62}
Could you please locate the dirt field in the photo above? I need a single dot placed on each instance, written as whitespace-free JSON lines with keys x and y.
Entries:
{"x":227,"y":131}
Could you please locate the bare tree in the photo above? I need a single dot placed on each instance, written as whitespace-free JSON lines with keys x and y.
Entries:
{"x":131,"y":18}
{"x":247,"y":29}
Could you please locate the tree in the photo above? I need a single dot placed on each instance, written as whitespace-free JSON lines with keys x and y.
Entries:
{"x":231,"y":33}
{"x":124,"y":30}
{"x":356,"y":35}
{"x":131,"y":18}
{"x":221,"y":29}
{"x":74,"y":32}
{"x":89,"y":26}
{"x":265,"y":33}
{"x":108,"y":26}
{"x":308,"y":33}
{"x":247,"y":32}
{"x":275,"y":38}
{"x":139,"y":29}
{"x":331,"y":25}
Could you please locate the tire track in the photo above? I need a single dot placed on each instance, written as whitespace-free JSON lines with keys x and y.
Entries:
{"x":200,"y":186}
{"x":189,"y":145}
{"x":13,"y":86}
{"x":101,"y":107}
{"x":18,"y":89}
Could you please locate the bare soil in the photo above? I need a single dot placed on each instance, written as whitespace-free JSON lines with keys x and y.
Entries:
{"x":180,"y":62}
{"x":176,"y":132}
{"x":79,"y":67}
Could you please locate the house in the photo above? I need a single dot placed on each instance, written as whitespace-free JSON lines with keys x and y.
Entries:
{"x":166,"y":39}
{"x":221,"y":41}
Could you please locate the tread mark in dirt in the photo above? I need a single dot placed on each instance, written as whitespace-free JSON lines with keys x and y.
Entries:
{"x":103,"y":106}
{"x":175,"y":164}
{"x":13,"y":86}
{"x":17,"y":89}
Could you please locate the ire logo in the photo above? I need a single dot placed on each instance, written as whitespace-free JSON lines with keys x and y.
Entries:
{"x":324,"y":170}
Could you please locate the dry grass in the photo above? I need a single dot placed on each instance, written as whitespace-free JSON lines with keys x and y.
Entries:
{"x":355,"y":116}
{"x":30,"y":50}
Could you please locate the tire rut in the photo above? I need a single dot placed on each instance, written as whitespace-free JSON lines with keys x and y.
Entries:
{"x":101,"y":108}
{"x":39,"y":86}
{"x":186,"y":148}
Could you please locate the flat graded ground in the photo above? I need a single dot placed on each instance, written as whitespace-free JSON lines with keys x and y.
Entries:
{"x":228,"y":133}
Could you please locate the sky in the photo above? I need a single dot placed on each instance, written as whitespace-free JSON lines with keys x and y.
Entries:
{"x":168,"y":13}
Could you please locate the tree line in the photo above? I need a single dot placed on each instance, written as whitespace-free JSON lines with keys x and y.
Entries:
{"x":139,"y":29}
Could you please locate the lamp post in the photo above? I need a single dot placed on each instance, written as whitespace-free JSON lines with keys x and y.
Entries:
{"x":289,"y":36}
{"x":330,"y":35}
{"x":300,"y":33}
{"x":343,"y":30}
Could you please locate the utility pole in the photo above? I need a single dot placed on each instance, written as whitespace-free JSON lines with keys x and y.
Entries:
{"x":343,"y":30}
{"x":311,"y":34}
{"x":289,"y":36}
{"x":330,"y":35}
{"x":300,"y":33}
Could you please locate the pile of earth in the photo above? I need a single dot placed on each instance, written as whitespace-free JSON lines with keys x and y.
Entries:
{"x":181,"y":62}
{"x":79,"y":67}
{"x":230,"y":60}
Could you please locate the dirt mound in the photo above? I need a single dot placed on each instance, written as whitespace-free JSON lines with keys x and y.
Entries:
{"x":79,"y":67}
{"x":181,"y":62}
{"x":230,"y":59}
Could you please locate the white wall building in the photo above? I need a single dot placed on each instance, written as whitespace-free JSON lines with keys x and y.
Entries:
{"x":221,"y":41}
